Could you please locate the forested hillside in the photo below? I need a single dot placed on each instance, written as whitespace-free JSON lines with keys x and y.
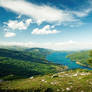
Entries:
{"x":26,"y":63}
{"x":83,"y":58}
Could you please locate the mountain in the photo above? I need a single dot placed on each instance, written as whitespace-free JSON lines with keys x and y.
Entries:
{"x":26,"y":63}
{"x":17,"y":48}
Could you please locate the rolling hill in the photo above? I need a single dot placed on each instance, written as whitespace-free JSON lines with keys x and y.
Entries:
{"x":67,"y":81}
{"x":26,"y":63}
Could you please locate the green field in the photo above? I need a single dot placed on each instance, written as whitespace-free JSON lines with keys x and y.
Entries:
{"x":68,"y":81}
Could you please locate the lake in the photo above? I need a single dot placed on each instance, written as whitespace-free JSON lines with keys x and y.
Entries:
{"x":60,"y":58}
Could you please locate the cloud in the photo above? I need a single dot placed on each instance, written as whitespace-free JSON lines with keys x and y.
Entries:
{"x":45,"y":13}
{"x":10,"y":34}
{"x":68,"y":45}
{"x":82,"y":13}
{"x":45,"y":30}
{"x":16,"y":25}
{"x":39,"y":13}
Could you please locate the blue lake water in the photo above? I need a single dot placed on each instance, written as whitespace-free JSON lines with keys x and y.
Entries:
{"x":60,"y":58}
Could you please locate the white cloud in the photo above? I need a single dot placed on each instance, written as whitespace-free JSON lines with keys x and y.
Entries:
{"x":45,"y":30}
{"x":82,"y":13}
{"x":15,"y":24}
{"x":69,"y":45}
{"x":10,"y":34}
{"x":39,"y":13}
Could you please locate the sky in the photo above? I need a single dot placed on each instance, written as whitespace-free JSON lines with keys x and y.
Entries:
{"x":52,"y":24}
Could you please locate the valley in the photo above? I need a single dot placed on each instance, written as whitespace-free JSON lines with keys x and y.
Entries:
{"x":64,"y":58}
{"x":42,"y":70}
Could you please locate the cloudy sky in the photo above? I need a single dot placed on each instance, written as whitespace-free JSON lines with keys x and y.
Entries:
{"x":53,"y":24}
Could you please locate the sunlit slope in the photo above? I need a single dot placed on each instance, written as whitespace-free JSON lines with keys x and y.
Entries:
{"x":68,"y":81}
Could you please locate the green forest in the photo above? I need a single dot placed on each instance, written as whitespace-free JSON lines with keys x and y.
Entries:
{"x":26,"y":63}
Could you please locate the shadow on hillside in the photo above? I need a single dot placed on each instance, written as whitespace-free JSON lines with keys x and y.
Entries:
{"x":9,"y":69}
{"x":19,"y":55}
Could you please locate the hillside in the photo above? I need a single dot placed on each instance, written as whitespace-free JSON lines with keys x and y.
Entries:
{"x":83,"y":58}
{"x":26,"y":63}
{"x":68,"y":81}
{"x":27,"y":70}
